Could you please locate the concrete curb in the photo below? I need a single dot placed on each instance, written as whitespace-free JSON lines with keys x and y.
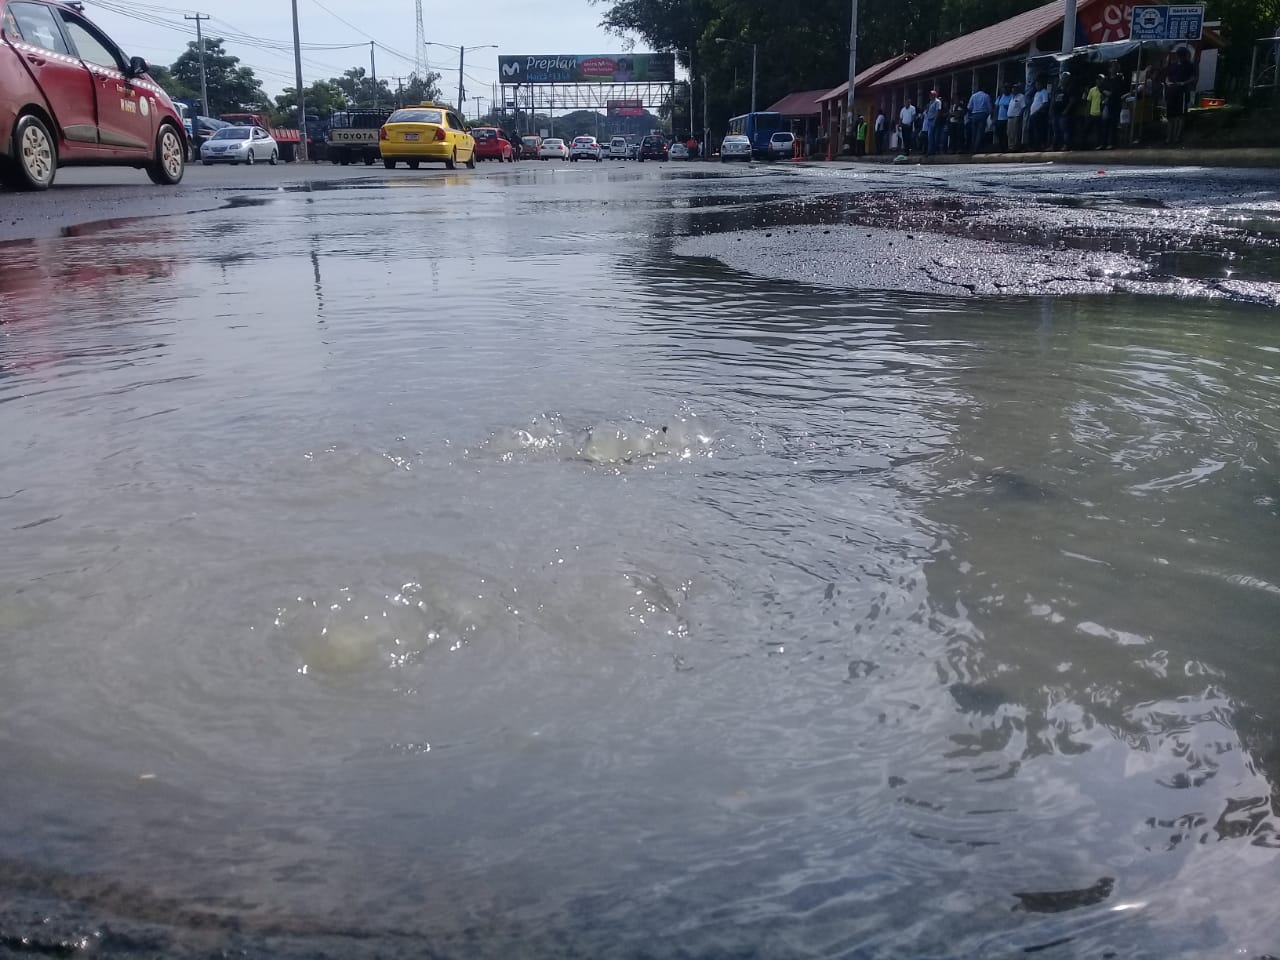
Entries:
{"x":1267,"y":157}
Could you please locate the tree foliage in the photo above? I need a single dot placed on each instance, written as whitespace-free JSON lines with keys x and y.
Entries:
{"x":231,"y":87}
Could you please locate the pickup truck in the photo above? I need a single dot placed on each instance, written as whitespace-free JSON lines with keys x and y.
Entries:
{"x":353,"y":136}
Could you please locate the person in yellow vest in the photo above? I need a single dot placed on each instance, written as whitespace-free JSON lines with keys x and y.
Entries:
{"x":1095,"y":96}
{"x":860,"y":147}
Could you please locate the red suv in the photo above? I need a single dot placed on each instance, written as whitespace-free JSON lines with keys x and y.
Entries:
{"x":69,"y":96}
{"x":492,"y":144}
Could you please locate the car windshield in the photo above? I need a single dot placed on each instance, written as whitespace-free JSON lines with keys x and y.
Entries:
{"x":585,"y":140}
{"x":530,"y":141}
{"x":233,"y":133}
{"x":416,"y":116}
{"x":736,"y":140}
{"x":553,"y":143}
{"x":782,"y":138}
{"x":483,"y":134}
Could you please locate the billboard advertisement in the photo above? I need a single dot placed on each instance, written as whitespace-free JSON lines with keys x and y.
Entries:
{"x":588,"y":68}
{"x":626,"y":108}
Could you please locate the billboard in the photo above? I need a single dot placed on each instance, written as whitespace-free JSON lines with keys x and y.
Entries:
{"x":589,"y":68}
{"x":626,"y":108}
{"x":1185,"y":22}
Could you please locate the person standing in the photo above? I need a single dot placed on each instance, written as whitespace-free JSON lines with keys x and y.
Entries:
{"x":979,"y":113}
{"x":881,"y":128}
{"x":860,"y":147}
{"x":1038,"y":118}
{"x":1117,"y":89}
{"x":1095,"y":96}
{"x":1060,"y":106}
{"x":907,"y":123}
{"x":1180,"y":81}
{"x":1016,"y":109}
{"x":1002,"y":117}
{"x":935,"y":123}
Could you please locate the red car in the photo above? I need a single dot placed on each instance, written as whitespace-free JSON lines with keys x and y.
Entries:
{"x":69,"y":96}
{"x":492,"y":144}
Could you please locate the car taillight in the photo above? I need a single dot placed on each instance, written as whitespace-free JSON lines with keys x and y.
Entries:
{"x":440,"y":135}
{"x":382,"y":133}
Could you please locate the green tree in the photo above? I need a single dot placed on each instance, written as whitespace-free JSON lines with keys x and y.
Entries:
{"x":360,"y":90}
{"x":417,"y":89}
{"x":164,"y":76}
{"x":322,"y":98}
{"x":231,"y":87}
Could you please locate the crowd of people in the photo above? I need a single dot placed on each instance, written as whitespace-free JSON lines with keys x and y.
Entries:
{"x":1065,"y":112}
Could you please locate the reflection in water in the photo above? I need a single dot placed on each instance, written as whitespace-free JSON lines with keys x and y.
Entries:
{"x":644,"y":598}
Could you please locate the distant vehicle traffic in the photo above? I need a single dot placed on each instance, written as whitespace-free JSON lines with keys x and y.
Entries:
{"x":652,"y":147}
{"x":782,"y":145}
{"x":68,"y":96}
{"x":678,"y":151}
{"x":430,"y":132}
{"x":633,"y":149}
{"x":353,"y":136}
{"x":492,"y":144}
{"x":287,"y":138}
{"x":531,"y":147}
{"x":735,"y":147}
{"x":585,"y":148}
{"x":553,"y":148}
{"x":618,"y":149}
{"x":758,"y":128}
{"x":240,"y":145}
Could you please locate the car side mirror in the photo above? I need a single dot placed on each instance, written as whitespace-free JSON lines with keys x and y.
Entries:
{"x":137,"y":67}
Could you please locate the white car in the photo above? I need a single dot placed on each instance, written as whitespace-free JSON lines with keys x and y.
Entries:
{"x":585,"y":148}
{"x":618,"y":149}
{"x":553,"y":148}
{"x":782,"y":146}
{"x":678,"y":151}
{"x":239,"y":145}
{"x":735,"y":147}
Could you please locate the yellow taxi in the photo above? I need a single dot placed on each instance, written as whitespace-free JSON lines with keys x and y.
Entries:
{"x":430,"y":132}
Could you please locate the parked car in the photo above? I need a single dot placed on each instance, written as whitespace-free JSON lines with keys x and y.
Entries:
{"x":54,"y":63}
{"x":735,"y":147}
{"x":429,"y":132}
{"x":653,"y":148}
{"x":678,"y":151}
{"x":492,"y":144}
{"x":240,"y":145}
{"x":585,"y":148}
{"x":782,"y":145}
{"x":553,"y":148}
{"x":633,"y":149}
{"x":204,"y":128}
{"x":619,"y":149}
{"x":530,"y":147}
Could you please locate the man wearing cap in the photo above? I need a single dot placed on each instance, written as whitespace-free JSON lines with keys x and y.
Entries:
{"x":934,"y":124}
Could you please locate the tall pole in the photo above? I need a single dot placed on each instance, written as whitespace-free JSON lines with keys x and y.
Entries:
{"x":754,"y":50}
{"x":204,"y":83}
{"x":691,"y":93}
{"x":706,"y":128}
{"x":1068,"y":25}
{"x":850,"y":117}
{"x":297,"y":67}
{"x":462,"y":52}
{"x":373,"y":69}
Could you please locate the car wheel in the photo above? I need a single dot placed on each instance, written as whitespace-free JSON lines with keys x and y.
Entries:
{"x":452,"y":162}
{"x":471,"y":161}
{"x":413,"y":164}
{"x":345,"y":161}
{"x":207,"y":163}
{"x":389,"y":164}
{"x":368,"y":161}
{"x":170,"y":160}
{"x":275,"y":157}
{"x":249,"y":158}
{"x":35,"y":157}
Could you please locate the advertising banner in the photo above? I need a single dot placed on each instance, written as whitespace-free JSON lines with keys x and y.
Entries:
{"x":625,"y":108}
{"x":588,"y":68}
{"x":1185,"y":22}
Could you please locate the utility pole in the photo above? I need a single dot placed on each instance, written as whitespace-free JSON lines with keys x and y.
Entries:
{"x":1068,"y":25}
{"x":297,"y":66}
{"x":204,"y":83}
{"x":706,"y":127}
{"x":400,"y":91}
{"x":754,"y":50}
{"x":851,"y":114}
{"x":373,"y":69}
{"x":462,"y":53}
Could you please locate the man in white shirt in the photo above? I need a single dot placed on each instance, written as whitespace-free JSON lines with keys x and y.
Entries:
{"x":1017,"y":108}
{"x":1037,"y":137}
{"x":882,"y":132}
{"x":907,"y":116}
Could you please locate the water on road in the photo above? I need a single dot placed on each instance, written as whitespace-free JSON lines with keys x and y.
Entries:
{"x":448,"y":565}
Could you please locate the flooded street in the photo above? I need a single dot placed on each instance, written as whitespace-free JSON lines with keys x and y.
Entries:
{"x":468,"y":566}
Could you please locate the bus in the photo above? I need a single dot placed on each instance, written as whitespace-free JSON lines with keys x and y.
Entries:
{"x":758,"y":128}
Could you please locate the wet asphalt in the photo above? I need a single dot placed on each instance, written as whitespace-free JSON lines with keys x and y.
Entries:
{"x":961,"y":230}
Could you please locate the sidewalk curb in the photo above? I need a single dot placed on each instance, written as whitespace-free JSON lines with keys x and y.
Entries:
{"x":1267,"y":157}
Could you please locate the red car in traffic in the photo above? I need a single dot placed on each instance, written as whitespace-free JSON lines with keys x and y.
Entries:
{"x":69,"y":96}
{"x":492,"y":144}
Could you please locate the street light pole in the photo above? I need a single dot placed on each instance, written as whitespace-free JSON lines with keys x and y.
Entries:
{"x":462,"y":53}
{"x":754,"y":51}
{"x":302,"y":106}
{"x":850,"y":118}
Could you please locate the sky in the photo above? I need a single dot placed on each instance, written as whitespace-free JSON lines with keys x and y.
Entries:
{"x":516,"y":26}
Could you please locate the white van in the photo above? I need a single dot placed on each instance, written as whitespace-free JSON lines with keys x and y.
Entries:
{"x":618,"y":148}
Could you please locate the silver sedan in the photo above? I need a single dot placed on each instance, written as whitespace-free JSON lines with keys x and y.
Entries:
{"x":240,"y":145}
{"x":735,"y":147}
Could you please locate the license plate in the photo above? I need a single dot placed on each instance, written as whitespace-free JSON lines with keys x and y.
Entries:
{"x":411,"y":136}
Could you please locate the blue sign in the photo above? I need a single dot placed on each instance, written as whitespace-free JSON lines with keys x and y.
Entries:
{"x":1181,"y":22}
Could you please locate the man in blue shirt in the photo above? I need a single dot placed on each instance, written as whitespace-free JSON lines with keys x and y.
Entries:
{"x":979,"y":112}
{"x":1002,"y":117}
{"x":934,"y":123}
